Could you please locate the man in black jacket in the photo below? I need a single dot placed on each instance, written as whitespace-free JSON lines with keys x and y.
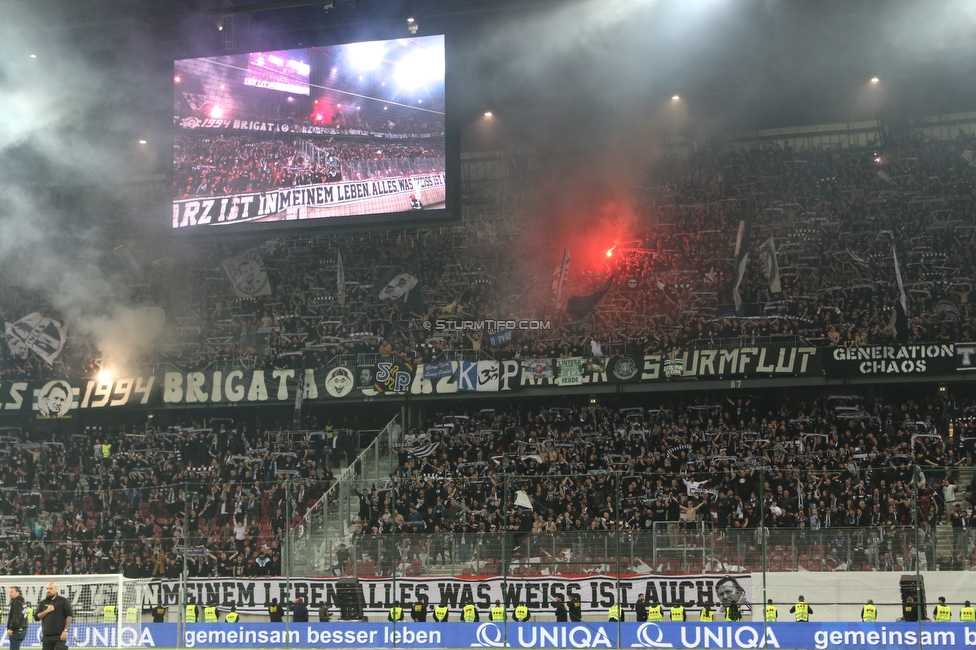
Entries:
{"x":562,"y":614}
{"x":640,"y":608}
{"x":54,"y":613}
{"x":299,"y":612}
{"x":16,"y":620}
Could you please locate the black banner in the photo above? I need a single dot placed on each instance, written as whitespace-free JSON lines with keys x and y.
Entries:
{"x":61,"y":398}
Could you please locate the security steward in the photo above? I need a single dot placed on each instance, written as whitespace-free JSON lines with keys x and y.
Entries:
{"x":396,"y":613}
{"x":418,"y":612}
{"x":615,"y":614}
{"x":968,"y":613}
{"x":159,"y":613}
{"x":192,"y":613}
{"x":210,"y":613}
{"x":54,"y":613}
{"x":469,"y":613}
{"x":497,"y":613}
{"x":232,"y":615}
{"x":440,"y":613}
{"x":772,"y":614}
{"x":678,"y":613}
{"x":869,"y":613}
{"x":132,"y":615}
{"x":110,"y":614}
{"x":802,"y":611}
{"x":575,"y":610}
{"x":274,"y":611}
{"x":707,"y":615}
{"x":942,"y":612}
{"x":522,"y":613}
{"x":655,"y":613}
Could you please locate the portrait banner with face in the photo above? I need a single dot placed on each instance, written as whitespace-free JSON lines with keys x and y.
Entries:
{"x":54,"y":399}
{"x":43,"y":336}
{"x":248,"y":277}
{"x":402,"y":288}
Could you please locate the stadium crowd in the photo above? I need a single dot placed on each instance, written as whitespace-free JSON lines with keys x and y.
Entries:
{"x":834,"y":217}
{"x":107,"y":502}
{"x":829,"y":475}
{"x":566,"y":484}
{"x":225,"y":165}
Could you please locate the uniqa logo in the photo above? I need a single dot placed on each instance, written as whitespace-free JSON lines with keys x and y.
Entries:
{"x":484,"y":637}
{"x":644,"y":637}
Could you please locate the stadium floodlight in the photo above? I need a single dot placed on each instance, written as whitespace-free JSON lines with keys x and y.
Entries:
{"x":366,"y":55}
{"x":675,"y":97}
{"x":33,"y":56}
{"x":488,"y":113}
{"x":874,"y":80}
{"x":419,"y":67}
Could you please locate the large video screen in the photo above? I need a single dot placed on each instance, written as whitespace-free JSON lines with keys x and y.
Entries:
{"x":343,"y":132}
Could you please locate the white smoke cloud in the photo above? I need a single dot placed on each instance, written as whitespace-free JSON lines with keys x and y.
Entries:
{"x":54,"y":138}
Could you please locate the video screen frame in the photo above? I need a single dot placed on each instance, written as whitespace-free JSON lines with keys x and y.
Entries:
{"x":374,"y":142}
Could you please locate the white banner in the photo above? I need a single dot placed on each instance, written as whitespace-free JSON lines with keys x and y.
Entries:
{"x":43,"y":336}
{"x":596,"y":592}
{"x":248,"y":276}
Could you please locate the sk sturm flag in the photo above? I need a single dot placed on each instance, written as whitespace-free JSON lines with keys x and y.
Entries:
{"x":38,"y":334}
{"x":767,"y":255}
{"x":248,"y":277}
{"x":423,"y":449}
{"x":538,"y":368}
{"x":500,"y":339}
{"x":401,"y":287}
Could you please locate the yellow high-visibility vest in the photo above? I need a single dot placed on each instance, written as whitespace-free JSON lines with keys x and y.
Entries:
{"x":210,"y":614}
{"x":707,"y":616}
{"x":870,"y":614}
{"x":131,"y":615}
{"x":440,"y":614}
{"x":614,"y":613}
{"x":497,"y":614}
{"x":191,"y":613}
{"x":108,"y":614}
{"x":106,"y":451}
{"x":30,"y":615}
{"x":967,"y":614}
{"x":232,"y":617}
{"x":396,"y":613}
{"x":521,"y":613}
{"x":654,"y":613}
{"x":771,"y":613}
{"x":468,"y":614}
{"x":943,"y":614}
{"x":677,"y":613}
{"x":802,"y":612}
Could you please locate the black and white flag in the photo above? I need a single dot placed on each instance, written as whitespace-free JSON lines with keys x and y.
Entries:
{"x":423,"y":449}
{"x":340,"y":279}
{"x":559,"y":277}
{"x":741,"y":253}
{"x":402,"y":287}
{"x":43,"y":336}
{"x":248,"y":277}
{"x":767,"y":255}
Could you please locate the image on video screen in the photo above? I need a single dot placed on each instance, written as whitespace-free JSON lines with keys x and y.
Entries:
{"x":343,"y":131}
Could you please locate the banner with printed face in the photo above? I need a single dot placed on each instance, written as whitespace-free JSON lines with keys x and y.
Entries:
{"x":596,"y":593}
{"x":395,"y":379}
{"x":248,"y":277}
